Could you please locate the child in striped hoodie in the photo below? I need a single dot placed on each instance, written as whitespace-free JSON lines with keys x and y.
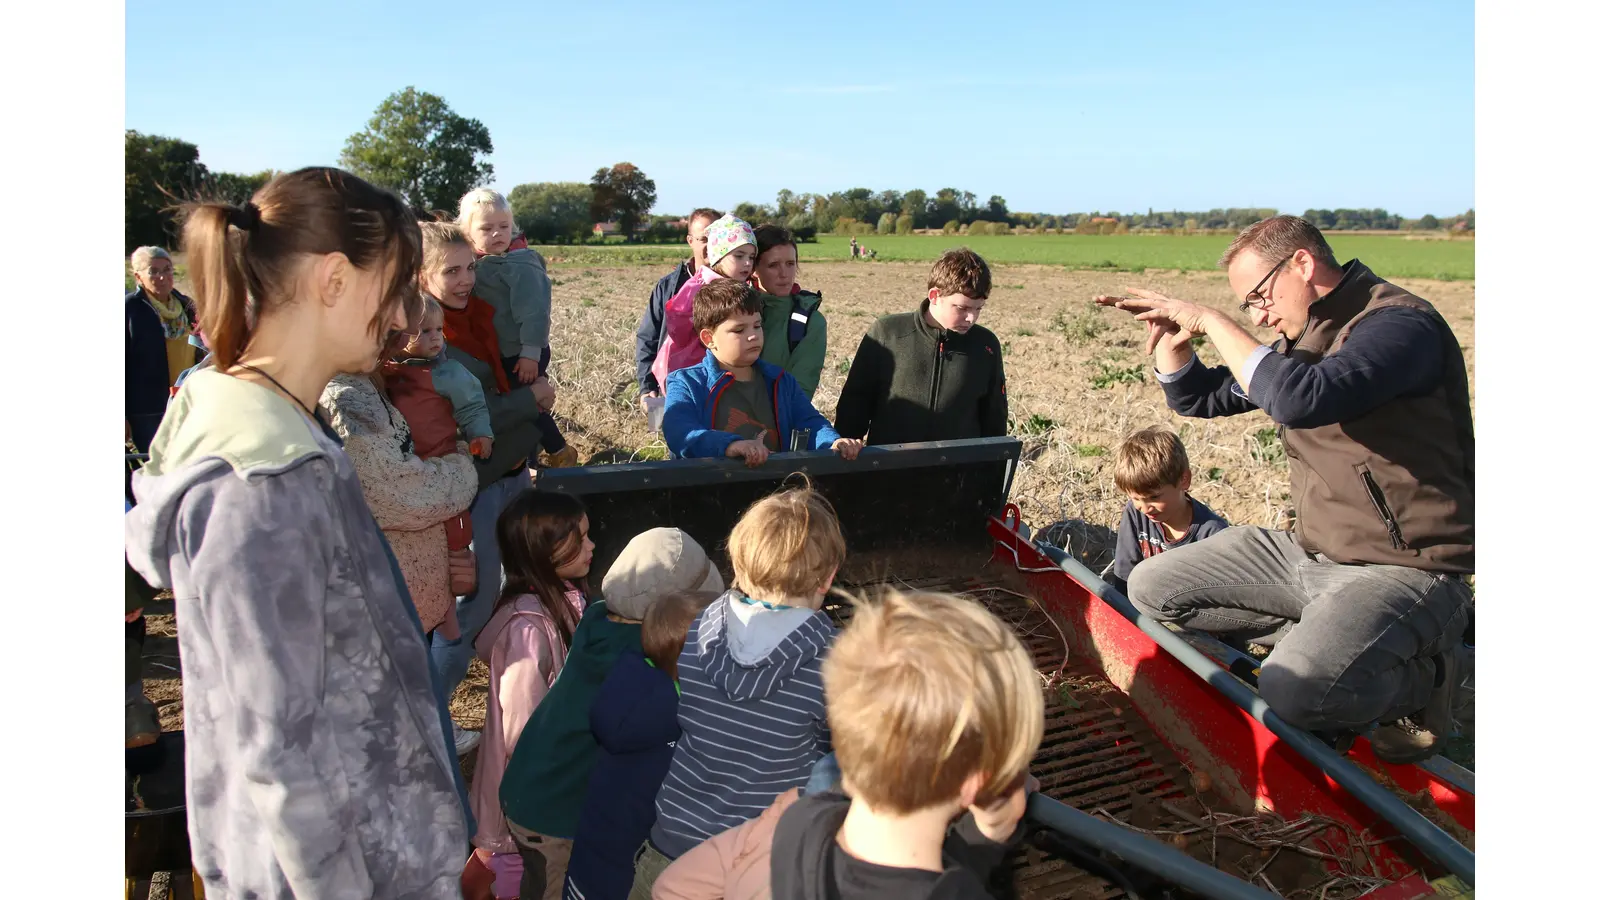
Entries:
{"x":752,"y":712}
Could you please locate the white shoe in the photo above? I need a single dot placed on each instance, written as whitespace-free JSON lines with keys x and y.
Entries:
{"x":466,"y":741}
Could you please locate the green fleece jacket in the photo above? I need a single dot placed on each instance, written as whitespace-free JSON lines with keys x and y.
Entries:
{"x":548,"y":773}
{"x":805,"y":361}
{"x":914,"y":381}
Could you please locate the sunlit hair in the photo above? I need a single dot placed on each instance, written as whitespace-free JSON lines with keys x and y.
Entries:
{"x":477,"y":202}
{"x":720,"y":301}
{"x":705,"y":212}
{"x":960,"y":271}
{"x":437,"y":239}
{"x":666,"y":627}
{"x":1148,"y":461}
{"x":538,"y":533}
{"x":771,"y":237}
{"x":925,"y":690}
{"x":243,"y":259}
{"x":1278,"y":237}
{"x":786,"y":545}
{"x":144,"y":256}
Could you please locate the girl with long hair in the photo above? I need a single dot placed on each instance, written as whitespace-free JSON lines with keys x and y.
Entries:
{"x":545,"y":549}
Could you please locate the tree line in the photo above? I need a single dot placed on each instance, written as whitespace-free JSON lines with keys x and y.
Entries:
{"x":418,"y":146}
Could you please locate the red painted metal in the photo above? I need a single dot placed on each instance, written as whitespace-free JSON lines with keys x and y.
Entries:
{"x":1246,"y":762}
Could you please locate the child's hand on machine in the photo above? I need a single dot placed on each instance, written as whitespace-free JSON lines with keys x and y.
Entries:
{"x":999,"y":821}
{"x":481,"y":447}
{"x":849,"y":448}
{"x":527,"y":370}
{"x":754,"y":451}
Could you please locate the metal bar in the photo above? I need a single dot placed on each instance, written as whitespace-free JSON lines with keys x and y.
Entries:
{"x":673,"y":473}
{"x":1135,"y":849}
{"x":1426,"y":836}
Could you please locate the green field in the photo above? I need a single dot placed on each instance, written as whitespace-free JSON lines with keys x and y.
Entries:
{"x":1393,"y":257}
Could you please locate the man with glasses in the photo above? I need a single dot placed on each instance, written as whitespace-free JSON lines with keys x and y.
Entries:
{"x":647,"y":340}
{"x":1365,"y":603}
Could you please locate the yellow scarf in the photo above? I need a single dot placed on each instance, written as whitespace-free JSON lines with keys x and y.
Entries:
{"x":173,"y":319}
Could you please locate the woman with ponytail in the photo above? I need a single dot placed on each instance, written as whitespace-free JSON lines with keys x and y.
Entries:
{"x":317,"y":762}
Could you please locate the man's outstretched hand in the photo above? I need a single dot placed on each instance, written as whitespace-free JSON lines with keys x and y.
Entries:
{"x":1171,"y":322}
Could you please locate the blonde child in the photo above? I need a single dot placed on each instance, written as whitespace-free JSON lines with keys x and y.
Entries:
{"x":513,"y":280}
{"x":731,"y":254}
{"x":935,"y":710}
{"x":751,"y":710}
{"x":440,"y":400}
{"x":545,"y":548}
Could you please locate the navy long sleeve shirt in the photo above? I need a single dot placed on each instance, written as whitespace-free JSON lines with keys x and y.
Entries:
{"x":1391,"y":353}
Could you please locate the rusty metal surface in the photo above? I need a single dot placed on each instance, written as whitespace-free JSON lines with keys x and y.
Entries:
{"x":1097,"y":755}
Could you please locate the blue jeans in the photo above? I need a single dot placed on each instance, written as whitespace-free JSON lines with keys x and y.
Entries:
{"x":453,"y":657}
{"x":824,"y":776}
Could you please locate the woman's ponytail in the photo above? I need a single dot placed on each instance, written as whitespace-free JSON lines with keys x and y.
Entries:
{"x":216,"y":266}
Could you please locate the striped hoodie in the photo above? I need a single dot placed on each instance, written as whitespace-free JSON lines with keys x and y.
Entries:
{"x":752,"y":713}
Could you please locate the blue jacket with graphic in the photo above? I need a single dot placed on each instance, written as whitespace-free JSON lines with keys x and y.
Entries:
{"x":692,"y":397}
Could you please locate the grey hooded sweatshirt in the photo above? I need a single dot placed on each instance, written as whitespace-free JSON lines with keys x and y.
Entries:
{"x":317,"y":765}
{"x":752,"y":714}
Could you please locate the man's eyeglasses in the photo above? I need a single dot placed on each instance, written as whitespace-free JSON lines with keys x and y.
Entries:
{"x":1255,"y":297}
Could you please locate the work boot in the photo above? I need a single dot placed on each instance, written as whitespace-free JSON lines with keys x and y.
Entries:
{"x":1339,"y":741}
{"x":565,"y":458}
{"x":1416,"y":737}
{"x":143,"y":722}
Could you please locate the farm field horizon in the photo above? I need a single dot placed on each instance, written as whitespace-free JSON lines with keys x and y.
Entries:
{"x":1391,"y":256}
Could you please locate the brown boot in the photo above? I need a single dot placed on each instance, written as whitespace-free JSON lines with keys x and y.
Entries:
{"x":565,"y":458}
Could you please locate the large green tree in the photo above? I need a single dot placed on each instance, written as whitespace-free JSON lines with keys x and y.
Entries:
{"x":159,"y":172}
{"x":416,"y":145}
{"x":624,"y":194}
{"x":552,"y":212}
{"x":236,"y":188}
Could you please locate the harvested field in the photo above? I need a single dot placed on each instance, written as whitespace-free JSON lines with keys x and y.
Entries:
{"x":1077,"y":377}
{"x":1078,"y":380}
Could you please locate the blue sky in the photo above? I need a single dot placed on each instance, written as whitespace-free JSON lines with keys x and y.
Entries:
{"x":1057,"y":107}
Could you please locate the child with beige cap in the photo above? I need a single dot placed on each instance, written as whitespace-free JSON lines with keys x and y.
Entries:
{"x":547,"y":776}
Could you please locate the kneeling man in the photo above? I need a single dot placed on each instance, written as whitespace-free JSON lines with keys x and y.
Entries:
{"x":1365,"y":602}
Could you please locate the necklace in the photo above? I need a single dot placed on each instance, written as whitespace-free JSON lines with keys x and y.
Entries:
{"x":280,"y":387}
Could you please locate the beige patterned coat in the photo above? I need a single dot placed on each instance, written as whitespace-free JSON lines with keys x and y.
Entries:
{"x":410,"y":497}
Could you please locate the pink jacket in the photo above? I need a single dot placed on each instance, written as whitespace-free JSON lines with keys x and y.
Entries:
{"x":522,"y":647}
{"x":735,"y":864}
{"x":680,"y":346}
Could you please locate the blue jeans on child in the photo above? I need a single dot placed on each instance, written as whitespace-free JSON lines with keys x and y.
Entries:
{"x":472,"y":612}
{"x":824,"y":776}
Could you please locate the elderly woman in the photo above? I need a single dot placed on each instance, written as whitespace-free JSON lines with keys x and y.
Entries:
{"x":158,"y":323}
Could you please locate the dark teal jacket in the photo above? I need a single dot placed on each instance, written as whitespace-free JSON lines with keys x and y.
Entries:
{"x":547,"y":776}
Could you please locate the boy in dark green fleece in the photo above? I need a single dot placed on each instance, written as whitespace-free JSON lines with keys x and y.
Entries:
{"x":791,"y":318}
{"x":543,"y":789}
{"x":930,"y":375}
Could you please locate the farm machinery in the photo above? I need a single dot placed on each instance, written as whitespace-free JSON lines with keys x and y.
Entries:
{"x":1162,"y":773}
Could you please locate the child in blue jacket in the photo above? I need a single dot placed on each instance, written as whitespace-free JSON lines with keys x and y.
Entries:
{"x":732,"y":404}
{"x":635,"y":721}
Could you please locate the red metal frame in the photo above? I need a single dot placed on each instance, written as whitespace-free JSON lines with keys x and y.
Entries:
{"x":1246,"y":762}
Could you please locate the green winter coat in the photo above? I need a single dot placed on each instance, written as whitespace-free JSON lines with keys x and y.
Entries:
{"x":912,"y":381}
{"x":805,"y":361}
{"x":547,"y":775}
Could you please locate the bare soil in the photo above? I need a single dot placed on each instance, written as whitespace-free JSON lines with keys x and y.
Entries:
{"x":1078,"y":381}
